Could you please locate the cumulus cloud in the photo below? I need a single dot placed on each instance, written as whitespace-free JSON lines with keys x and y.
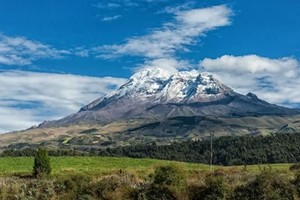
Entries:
{"x":173,"y":36}
{"x":175,"y":9}
{"x":114,"y":4}
{"x":22,"y":51}
{"x":51,"y":95}
{"x":253,"y":64}
{"x":162,"y":44}
{"x":274,"y":80}
{"x":169,"y":64}
{"x":107,"y":5}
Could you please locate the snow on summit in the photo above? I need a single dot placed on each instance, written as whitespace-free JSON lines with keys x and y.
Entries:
{"x":158,"y":94}
{"x":160,"y":86}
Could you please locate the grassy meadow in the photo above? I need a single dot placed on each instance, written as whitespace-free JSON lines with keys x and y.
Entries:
{"x":89,"y":165}
{"x":104,"y":165}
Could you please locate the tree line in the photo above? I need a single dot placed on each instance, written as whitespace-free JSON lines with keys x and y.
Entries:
{"x":229,"y":150}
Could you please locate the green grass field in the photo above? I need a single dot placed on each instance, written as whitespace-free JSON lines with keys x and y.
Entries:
{"x":103,"y":165}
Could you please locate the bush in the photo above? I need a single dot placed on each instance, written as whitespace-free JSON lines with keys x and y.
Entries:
{"x":295,"y":167}
{"x":268,"y":186}
{"x":214,"y":189}
{"x":41,"y":189}
{"x":296,"y":183}
{"x":113,"y":187}
{"x":42,"y":165}
{"x":169,"y":183}
{"x":154,"y":192}
{"x":170,"y":175}
{"x":76,"y":187}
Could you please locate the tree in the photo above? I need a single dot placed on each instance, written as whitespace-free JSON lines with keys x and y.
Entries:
{"x":42,"y":165}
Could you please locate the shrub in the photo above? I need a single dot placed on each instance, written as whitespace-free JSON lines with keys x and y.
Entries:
{"x":154,"y":192}
{"x":117,"y":186}
{"x":41,"y":166}
{"x":268,"y":185}
{"x":111,"y":188}
{"x":169,"y":183}
{"x":214,"y":189}
{"x":76,"y":187}
{"x":170,"y":175}
{"x":41,"y":189}
{"x":296,"y":183}
{"x":295,"y":167}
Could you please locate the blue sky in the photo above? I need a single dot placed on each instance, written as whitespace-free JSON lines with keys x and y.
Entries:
{"x":56,"y":56}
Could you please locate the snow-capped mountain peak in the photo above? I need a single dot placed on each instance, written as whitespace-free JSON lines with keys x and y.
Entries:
{"x":144,"y":83}
{"x":149,"y":73}
{"x":155,"y":85}
{"x":159,"y":94}
{"x":192,"y":86}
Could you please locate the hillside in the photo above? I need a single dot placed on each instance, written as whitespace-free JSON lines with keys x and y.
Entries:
{"x":132,"y":132}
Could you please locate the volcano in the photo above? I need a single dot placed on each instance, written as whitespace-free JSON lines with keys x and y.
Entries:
{"x":158,"y":94}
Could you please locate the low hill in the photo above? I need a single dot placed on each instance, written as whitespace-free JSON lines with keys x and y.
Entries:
{"x":133,"y":132}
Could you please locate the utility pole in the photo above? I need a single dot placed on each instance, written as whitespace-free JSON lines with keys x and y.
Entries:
{"x":211,"y":151}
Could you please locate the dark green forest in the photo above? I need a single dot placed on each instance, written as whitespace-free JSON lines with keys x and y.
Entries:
{"x":230,"y":150}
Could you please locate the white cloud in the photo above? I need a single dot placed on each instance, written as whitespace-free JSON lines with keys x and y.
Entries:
{"x":129,"y":3}
{"x":175,"y":9}
{"x":107,"y":5}
{"x":114,"y":4}
{"x":186,"y":27}
{"x":51,"y":95}
{"x":111,"y":18}
{"x":274,"y":80}
{"x":169,"y":64}
{"x":252,"y":64}
{"x":22,"y":51}
{"x":81,"y":52}
{"x":160,"y":46}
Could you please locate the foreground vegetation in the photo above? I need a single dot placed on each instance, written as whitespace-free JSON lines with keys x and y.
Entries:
{"x":113,"y":178}
{"x":88,"y":177}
